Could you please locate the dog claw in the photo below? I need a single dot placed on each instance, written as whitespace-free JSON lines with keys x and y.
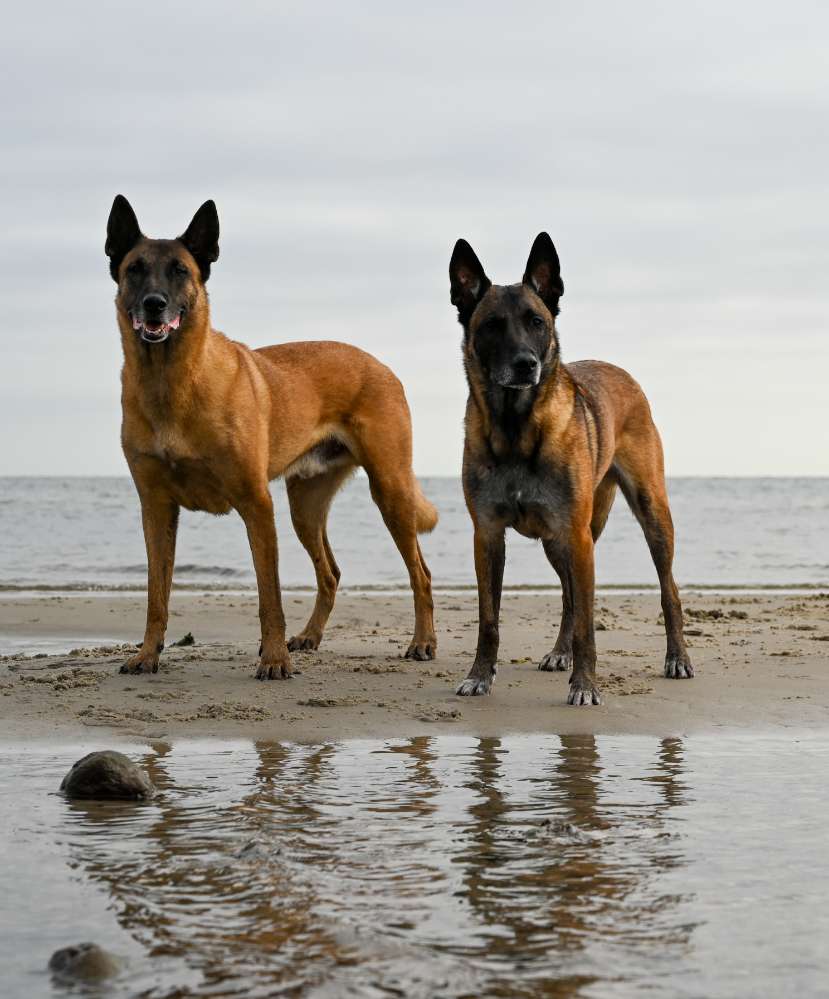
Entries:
{"x":421,"y":651}
{"x":474,"y":686}
{"x":678,"y":667}
{"x":139,"y":664}
{"x":276,"y":666}
{"x":556,"y":661}
{"x":583,"y":695}
{"x":273,"y":672}
{"x":303,"y":643}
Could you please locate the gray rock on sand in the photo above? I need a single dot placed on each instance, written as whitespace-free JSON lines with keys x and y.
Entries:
{"x":107,"y":775}
{"x":86,"y":962}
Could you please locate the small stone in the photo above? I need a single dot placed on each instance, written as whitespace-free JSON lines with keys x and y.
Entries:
{"x":86,"y":962}
{"x":107,"y":775}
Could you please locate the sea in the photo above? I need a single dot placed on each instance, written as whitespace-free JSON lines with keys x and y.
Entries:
{"x":76,"y":534}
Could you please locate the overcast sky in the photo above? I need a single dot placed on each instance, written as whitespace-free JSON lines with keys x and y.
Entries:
{"x":677,"y":154}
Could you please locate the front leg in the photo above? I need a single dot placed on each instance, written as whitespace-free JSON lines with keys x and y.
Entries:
{"x":489,"y":568}
{"x":159,"y":515}
{"x":257,"y":513}
{"x":583,"y":688}
{"x":560,"y":657}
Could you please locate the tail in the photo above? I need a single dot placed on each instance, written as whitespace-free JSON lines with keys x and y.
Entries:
{"x":425,"y":513}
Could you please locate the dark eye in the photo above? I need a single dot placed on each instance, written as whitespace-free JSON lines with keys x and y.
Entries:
{"x":179,"y":268}
{"x":536,"y":321}
{"x":136,"y":267}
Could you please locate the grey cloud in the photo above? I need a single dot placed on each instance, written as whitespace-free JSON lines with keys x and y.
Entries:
{"x":677,"y":155}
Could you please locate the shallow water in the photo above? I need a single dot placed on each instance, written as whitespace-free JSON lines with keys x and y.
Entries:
{"x":430,"y":867}
{"x":86,"y":532}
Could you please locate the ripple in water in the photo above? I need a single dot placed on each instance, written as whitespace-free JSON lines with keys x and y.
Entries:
{"x":428,"y":867}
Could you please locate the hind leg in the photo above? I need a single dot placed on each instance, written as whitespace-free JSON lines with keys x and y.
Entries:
{"x":382,"y":444}
{"x":310,"y":500}
{"x":395,"y":493}
{"x":643,"y":483}
{"x":561,"y":655}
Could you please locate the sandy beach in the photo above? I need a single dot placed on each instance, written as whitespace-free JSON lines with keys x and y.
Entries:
{"x":760,"y":660}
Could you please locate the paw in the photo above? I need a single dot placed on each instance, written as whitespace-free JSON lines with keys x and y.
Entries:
{"x":141,"y":662}
{"x":422,"y":651}
{"x":554,"y":661}
{"x":304,"y":642}
{"x":274,"y":667}
{"x":474,"y":686}
{"x":678,"y":667}
{"x":582,"y":692}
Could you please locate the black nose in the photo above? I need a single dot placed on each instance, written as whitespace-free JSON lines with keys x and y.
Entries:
{"x":154,"y":304}
{"x":525,"y":364}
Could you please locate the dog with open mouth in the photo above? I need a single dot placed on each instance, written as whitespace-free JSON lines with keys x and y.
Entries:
{"x":208,"y":423}
{"x":155,"y":330}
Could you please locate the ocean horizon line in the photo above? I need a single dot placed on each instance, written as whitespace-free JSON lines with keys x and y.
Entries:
{"x":375,"y":589}
{"x":17,"y":476}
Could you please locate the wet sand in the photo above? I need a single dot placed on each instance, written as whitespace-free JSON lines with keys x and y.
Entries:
{"x":761,"y":662}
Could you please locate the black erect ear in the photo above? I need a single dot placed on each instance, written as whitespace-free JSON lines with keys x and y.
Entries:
{"x":202,"y":237}
{"x":467,"y":281}
{"x":122,"y":233}
{"x":543,"y":272}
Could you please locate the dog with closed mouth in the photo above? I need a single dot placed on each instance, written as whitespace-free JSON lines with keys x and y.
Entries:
{"x":546,"y":446}
{"x":208,"y":423}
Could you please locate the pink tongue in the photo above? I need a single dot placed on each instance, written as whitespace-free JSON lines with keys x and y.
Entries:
{"x":173,"y":324}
